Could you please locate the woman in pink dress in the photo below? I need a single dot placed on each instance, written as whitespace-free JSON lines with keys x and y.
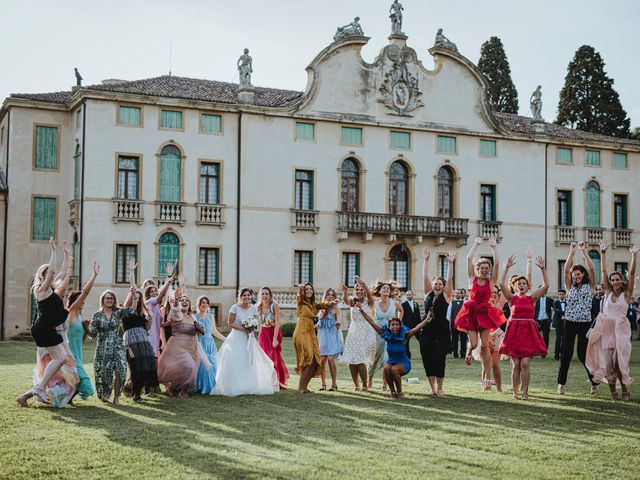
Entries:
{"x":270,"y":337}
{"x":609,"y":347}
{"x":522,"y":340}
{"x":478,"y":317}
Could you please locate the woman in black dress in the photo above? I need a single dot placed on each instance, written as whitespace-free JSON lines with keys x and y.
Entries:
{"x":435,"y":339}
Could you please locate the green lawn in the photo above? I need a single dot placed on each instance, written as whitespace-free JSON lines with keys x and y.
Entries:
{"x":344,"y":435}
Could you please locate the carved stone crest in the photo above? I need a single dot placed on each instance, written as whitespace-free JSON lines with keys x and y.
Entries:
{"x":399,"y":91}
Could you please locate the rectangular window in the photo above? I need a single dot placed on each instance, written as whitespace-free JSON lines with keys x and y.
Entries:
{"x":593,"y":158}
{"x":564,"y":155}
{"x":447,"y":144}
{"x":209,"y":183}
{"x":302,"y":267}
{"x":305,"y":131}
{"x":210,"y":123}
{"x":46,"y":148}
{"x":43,"y":217}
{"x":304,"y":190}
{"x":131,"y":116}
{"x":351,"y":136}
{"x":561,"y":264}
{"x":214,"y":310}
{"x":400,"y":140}
{"x":77,"y":172}
{"x":622,"y":267}
{"x":78,"y":119}
{"x":350,"y":268}
{"x":620,"y":211}
{"x":488,"y":203}
{"x":488,"y":148}
{"x":564,"y":208}
{"x":171,"y":119}
{"x":619,"y":160}
{"x":208,"y":267}
{"x":128,"y":177}
{"x":124,"y":253}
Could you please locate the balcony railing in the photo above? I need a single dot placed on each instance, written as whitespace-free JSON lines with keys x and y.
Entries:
{"x":74,"y":212}
{"x":593,"y":235}
{"x":170,"y":212}
{"x":126,"y":210}
{"x":304,"y":220}
{"x":622,"y":237}
{"x":487,"y":229}
{"x":565,"y":234}
{"x":210,"y":214}
{"x":403,"y":225}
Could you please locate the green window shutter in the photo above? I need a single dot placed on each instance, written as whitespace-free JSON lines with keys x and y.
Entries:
{"x":351,"y":136}
{"x":595,"y":258}
{"x":44,"y":218}
{"x":619,"y":160}
{"x":168,"y":251}
{"x":216,"y":266}
{"x":624,"y":212}
{"x":493,"y":203}
{"x":564,"y":155}
{"x":446,"y":144}
{"x":401,"y":140}
{"x":310,"y":254}
{"x":487,"y":148}
{"x":357,"y":255}
{"x":210,"y":123}
{"x":569,"y":208}
{"x":311,"y":189}
{"x":171,"y":119}
{"x":593,"y":158}
{"x":593,"y":206}
{"x":170,"y":172}
{"x":47,"y":147}
{"x":305,"y":131}
{"x":130,"y":116}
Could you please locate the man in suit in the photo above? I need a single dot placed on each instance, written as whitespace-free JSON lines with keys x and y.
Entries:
{"x":559,"y":307}
{"x":542,"y":315}
{"x":596,"y":301}
{"x":457,"y":337}
{"x":411,"y":316}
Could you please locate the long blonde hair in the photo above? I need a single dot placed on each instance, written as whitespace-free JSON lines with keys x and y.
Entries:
{"x":39,"y":277}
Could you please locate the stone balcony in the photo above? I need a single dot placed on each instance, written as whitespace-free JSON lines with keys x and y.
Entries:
{"x":127,"y":210}
{"x":565,"y":234}
{"x":487,"y":229}
{"x":393,"y":225}
{"x":622,"y":237}
{"x":170,"y":212}
{"x":74,"y":212}
{"x":593,"y":235}
{"x":210,"y":214}
{"x":304,"y":220}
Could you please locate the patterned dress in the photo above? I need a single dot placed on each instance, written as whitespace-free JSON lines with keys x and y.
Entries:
{"x":361,"y":342}
{"x":110,"y":354}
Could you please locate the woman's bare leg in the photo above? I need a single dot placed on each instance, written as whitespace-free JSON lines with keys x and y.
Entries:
{"x":117,"y":386}
{"x":515,"y":376}
{"x":485,"y":355}
{"x":58,"y":359}
{"x":333,"y":371}
{"x":440,"y":382}
{"x":497,"y":373}
{"x":432,"y":384}
{"x":362,"y":371}
{"x":353,"y":369}
{"x":525,"y":376}
{"x":323,"y":375}
{"x":473,"y":343}
{"x":306,"y":375}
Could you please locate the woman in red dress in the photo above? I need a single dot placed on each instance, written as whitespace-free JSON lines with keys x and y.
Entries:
{"x":522,"y":341}
{"x":477,"y":316}
{"x":270,"y":336}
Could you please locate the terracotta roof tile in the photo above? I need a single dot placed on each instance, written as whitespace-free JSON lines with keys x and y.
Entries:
{"x":53,"y":97}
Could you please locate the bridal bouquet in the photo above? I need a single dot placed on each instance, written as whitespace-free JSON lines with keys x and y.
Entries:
{"x":250,"y":323}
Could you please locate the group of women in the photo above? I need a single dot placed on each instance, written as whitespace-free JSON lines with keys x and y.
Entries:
{"x":165,"y":340}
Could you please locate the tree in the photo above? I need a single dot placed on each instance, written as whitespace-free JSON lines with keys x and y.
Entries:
{"x":635,"y":134}
{"x":502,"y":94}
{"x":588,"y":100}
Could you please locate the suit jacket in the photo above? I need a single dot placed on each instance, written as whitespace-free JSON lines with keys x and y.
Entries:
{"x":595,"y":307}
{"x":411,"y":317}
{"x":548,"y":308}
{"x":558,"y":313}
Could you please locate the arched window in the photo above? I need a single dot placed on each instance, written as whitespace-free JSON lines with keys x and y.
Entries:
{"x":398,"y":189}
{"x":594,"y":255}
{"x":399,"y":265}
{"x":593,"y":204}
{"x":170,"y":173}
{"x":350,"y":186}
{"x":168,"y":251}
{"x":445,"y":192}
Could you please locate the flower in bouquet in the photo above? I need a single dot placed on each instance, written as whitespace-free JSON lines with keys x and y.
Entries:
{"x":250,"y":323}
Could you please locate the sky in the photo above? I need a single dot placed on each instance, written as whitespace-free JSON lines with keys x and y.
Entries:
{"x":42,"y":41}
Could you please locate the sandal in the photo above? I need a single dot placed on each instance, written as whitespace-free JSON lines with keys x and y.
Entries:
{"x":594,"y":388}
{"x":334,"y":388}
{"x":468,"y":359}
{"x":440,"y":393}
{"x":323,"y":388}
{"x":515,"y":396}
{"x":486,"y":385}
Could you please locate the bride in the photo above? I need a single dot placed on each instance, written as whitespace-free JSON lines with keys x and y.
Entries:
{"x":243,"y":367}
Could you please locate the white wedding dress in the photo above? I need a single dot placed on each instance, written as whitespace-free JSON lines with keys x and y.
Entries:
{"x":243,"y":367}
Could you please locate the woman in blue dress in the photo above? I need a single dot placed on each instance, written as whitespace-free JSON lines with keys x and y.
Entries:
{"x":398,"y":363}
{"x":329,"y":338}
{"x":206,"y":379}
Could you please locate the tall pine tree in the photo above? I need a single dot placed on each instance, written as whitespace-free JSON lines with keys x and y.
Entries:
{"x":588,"y":100}
{"x":493,"y":63}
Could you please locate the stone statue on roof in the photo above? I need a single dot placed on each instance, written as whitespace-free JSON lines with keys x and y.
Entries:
{"x":536,"y":104}
{"x":245,"y":68}
{"x":396,"y":17}
{"x":352,"y":29}
{"x":78,"y":77}
{"x":444,"y":42}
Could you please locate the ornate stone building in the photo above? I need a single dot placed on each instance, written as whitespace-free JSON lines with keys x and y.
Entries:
{"x":260,"y":186}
